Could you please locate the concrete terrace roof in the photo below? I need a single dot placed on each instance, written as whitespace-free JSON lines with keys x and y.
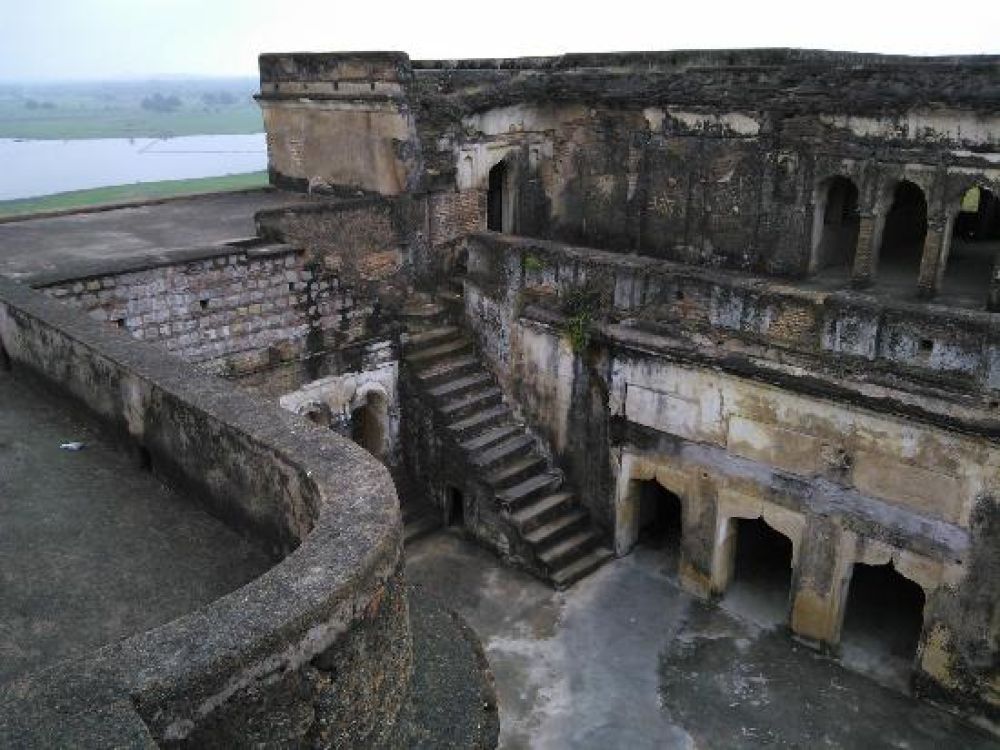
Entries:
{"x":39,"y":245}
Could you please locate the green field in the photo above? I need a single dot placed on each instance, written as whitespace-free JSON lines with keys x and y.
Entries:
{"x":129,"y":109}
{"x":126,"y":193}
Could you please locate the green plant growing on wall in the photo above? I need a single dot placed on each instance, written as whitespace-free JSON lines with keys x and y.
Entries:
{"x":582,"y":306}
{"x":533,"y":263}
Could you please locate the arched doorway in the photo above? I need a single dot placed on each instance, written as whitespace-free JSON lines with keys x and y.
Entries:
{"x":836,"y":225}
{"x":496,"y":199}
{"x":761,"y":572}
{"x":883,"y":619}
{"x":902,"y":245}
{"x":660,"y":522}
{"x":368,"y":424}
{"x":975,"y":243}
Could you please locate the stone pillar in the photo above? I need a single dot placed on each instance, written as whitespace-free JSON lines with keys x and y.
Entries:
{"x":866,"y":251}
{"x":817,"y":601}
{"x":934,"y":256}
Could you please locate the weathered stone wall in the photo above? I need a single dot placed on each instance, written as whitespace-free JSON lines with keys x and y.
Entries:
{"x":746,"y":410}
{"x":714,"y":158}
{"x":339,"y":120}
{"x":315,"y":652}
{"x":232,"y":309}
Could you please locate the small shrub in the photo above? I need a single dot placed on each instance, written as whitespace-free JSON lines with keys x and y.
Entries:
{"x":581,"y":306}
{"x":533,"y":263}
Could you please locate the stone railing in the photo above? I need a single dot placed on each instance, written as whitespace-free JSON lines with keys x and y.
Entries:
{"x":315,"y":651}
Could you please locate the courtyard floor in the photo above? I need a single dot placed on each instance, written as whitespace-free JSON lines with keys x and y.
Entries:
{"x":625,"y":659}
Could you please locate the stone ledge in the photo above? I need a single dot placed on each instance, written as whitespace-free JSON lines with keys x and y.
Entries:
{"x":320,"y":500}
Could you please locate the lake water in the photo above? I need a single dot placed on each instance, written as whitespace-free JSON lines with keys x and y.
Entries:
{"x":30,"y":168}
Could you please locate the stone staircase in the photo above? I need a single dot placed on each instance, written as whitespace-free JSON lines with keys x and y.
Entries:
{"x":530,"y":493}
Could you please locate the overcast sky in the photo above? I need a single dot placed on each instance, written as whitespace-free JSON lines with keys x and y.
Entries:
{"x":61,"y":39}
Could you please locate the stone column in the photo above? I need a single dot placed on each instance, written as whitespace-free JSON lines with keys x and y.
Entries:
{"x":817,"y":600}
{"x":865,"y":253}
{"x":934,"y":255}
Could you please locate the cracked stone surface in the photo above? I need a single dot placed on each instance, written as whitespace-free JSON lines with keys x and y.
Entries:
{"x":626,"y":659}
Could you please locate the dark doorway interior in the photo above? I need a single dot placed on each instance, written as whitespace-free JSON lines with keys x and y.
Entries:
{"x":841,"y":222}
{"x":368,"y":424}
{"x":660,"y":521}
{"x":903,"y":237}
{"x":882,"y":623}
{"x":455,"y":510}
{"x":762,"y":572}
{"x":975,"y":242}
{"x":495,"y":197}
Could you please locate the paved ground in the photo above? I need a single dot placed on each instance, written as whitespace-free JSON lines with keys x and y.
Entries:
{"x":42,"y":244}
{"x":93,"y":549}
{"x":626,"y":660}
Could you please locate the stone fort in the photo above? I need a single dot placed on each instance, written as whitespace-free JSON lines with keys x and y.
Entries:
{"x":740,"y":306}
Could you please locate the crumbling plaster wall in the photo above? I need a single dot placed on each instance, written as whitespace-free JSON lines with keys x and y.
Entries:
{"x":846,"y":482}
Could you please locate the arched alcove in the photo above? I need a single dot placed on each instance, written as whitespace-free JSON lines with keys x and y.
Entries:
{"x":883,"y":620}
{"x":835,"y":225}
{"x":496,"y":199}
{"x":761,"y":571}
{"x":903,"y":232}
{"x":975,"y":243}
{"x":660,"y":521}
{"x":369,"y":423}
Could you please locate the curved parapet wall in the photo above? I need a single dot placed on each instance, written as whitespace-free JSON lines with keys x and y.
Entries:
{"x":316,"y":651}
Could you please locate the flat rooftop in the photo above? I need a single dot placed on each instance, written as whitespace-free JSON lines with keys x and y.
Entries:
{"x":92,"y":547}
{"x":46,"y":243}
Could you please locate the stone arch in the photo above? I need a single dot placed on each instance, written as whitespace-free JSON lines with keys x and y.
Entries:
{"x":836,"y":224}
{"x":370,"y":419}
{"x":498,"y":218}
{"x":928,"y":574}
{"x":971,"y":245}
{"x":883,"y":615}
{"x":316,"y":412}
{"x":732,"y":508}
{"x":901,"y":232}
{"x":634,"y":473}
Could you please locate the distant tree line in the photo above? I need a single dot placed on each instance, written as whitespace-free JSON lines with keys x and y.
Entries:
{"x":35,"y":104}
{"x":160,"y":103}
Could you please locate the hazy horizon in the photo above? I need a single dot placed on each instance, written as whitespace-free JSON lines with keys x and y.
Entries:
{"x":62,"y":41}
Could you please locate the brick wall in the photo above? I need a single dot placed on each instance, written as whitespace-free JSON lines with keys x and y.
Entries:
{"x":455,"y":214}
{"x":237,"y":311}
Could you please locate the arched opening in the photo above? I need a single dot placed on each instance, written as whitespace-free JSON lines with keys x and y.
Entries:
{"x":902,"y":245}
{"x":660,"y":522}
{"x":837,"y":222}
{"x":495,"y":200}
{"x":368,"y":424}
{"x":454,"y":512}
{"x":318,"y":414}
{"x":975,"y":243}
{"x":762,"y":572}
{"x":883,"y":619}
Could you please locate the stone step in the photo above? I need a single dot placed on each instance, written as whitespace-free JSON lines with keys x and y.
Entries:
{"x":479,"y":421}
{"x":471,"y":402}
{"x":523,"y":493}
{"x":568,"y":548}
{"x":447,"y":369}
{"x":577,"y":569}
{"x":510,"y":448}
{"x":444,"y":350}
{"x":426,"y":338}
{"x":458,"y":386}
{"x":423,"y":310}
{"x":489,"y":438}
{"x":533,"y":519}
{"x":509,"y":474}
